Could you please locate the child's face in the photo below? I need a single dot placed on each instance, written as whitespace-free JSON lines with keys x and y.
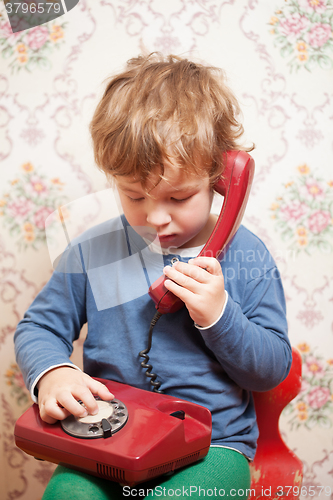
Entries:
{"x":177,"y":209}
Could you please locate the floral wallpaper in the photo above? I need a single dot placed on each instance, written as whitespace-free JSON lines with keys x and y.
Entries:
{"x":30,"y":199}
{"x":314,"y":404}
{"x":32,"y":48}
{"x":303,"y":32}
{"x":304,"y":212}
{"x":278,"y":58}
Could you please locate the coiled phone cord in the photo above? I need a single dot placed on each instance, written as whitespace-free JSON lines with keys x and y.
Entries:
{"x":144,"y":354}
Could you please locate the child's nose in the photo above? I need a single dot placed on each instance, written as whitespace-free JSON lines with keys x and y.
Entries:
{"x":158,"y":216}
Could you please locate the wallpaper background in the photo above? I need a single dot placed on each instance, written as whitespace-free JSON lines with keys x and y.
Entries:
{"x":279,"y":60}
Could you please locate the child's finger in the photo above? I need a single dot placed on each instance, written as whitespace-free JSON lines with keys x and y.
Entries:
{"x":70,"y":401}
{"x":180,"y":291}
{"x":210,"y":264}
{"x":185,"y":275}
{"x":99,"y":389}
{"x":50,"y":411}
{"x":49,"y":420}
{"x":200,"y":271}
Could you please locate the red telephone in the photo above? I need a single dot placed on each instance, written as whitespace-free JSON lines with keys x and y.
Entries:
{"x":235,"y":186}
{"x":146,"y":436}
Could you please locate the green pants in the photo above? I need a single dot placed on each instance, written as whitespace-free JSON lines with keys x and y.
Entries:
{"x":222,"y":473}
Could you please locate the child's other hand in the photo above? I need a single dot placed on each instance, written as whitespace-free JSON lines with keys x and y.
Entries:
{"x":60,"y":389}
{"x":200,"y":285}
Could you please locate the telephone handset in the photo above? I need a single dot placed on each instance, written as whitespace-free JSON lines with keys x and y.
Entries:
{"x":234,"y":186}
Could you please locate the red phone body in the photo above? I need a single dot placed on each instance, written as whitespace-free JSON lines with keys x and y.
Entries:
{"x":234,"y":186}
{"x":152,"y":441}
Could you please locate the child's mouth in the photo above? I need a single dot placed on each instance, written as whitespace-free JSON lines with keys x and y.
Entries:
{"x":164,"y":238}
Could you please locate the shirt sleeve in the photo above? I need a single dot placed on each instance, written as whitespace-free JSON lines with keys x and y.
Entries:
{"x":250,"y":340}
{"x":218,"y":319}
{"x":44,"y":337}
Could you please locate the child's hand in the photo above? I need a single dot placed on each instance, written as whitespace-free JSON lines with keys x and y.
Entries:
{"x":60,"y":389}
{"x":200,"y":285}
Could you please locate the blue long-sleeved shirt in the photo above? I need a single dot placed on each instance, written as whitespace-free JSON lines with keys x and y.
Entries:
{"x":102,"y":279}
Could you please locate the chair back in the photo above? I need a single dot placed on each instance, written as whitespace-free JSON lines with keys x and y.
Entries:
{"x":276,"y":471}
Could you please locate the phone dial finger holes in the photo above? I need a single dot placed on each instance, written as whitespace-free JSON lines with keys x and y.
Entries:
{"x":111,"y":417}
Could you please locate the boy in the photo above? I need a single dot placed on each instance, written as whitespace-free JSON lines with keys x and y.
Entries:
{"x":160,"y":132}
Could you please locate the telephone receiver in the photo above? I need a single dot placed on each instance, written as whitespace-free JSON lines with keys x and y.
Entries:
{"x":234,"y":186}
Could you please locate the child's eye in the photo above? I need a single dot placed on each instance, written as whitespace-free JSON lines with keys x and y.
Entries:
{"x":181,"y":200}
{"x":135,"y":199}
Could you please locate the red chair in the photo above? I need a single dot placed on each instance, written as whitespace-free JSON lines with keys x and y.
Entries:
{"x":276,"y":471}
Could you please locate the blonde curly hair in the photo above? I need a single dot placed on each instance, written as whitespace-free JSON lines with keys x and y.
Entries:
{"x":165,"y":108}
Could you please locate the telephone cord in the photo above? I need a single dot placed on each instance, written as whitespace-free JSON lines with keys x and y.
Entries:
{"x":144,"y":354}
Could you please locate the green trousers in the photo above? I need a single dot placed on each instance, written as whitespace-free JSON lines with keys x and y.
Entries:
{"x":222,"y":473}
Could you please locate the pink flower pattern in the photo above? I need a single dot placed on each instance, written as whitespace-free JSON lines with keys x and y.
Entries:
{"x":313,"y":189}
{"x":41,"y":215}
{"x":313,"y":6}
{"x":30,"y":201}
{"x":293,"y":26}
{"x":303,"y":32}
{"x":14,"y":379}
{"x":304,"y":213}
{"x":31,"y":48}
{"x":314,"y":404}
{"x":37,"y":37}
{"x":318,"y":396}
{"x":18,"y":380}
{"x":319,"y":34}
{"x":313,"y":366}
{"x":19,"y":208}
{"x":319,"y":221}
{"x":294,"y":211}
{"x":6,"y":32}
{"x":36,"y":186}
